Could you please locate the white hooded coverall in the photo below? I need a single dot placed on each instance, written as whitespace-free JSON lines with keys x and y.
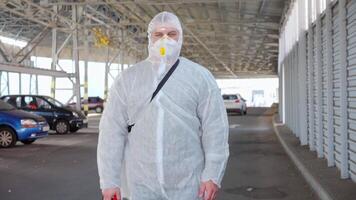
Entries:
{"x":179,"y":140}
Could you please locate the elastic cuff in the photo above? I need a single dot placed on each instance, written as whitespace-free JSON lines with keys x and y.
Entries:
{"x":107,"y":185}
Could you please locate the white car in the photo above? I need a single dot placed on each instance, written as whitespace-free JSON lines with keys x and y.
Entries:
{"x":235,"y":103}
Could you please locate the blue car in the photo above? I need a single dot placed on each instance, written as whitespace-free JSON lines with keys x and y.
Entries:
{"x":17,"y":125}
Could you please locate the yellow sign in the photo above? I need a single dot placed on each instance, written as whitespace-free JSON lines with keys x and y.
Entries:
{"x":101,"y":38}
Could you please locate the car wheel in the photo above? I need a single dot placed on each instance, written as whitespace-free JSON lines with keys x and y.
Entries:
{"x":241,"y":111}
{"x":73,"y":130}
{"x":29,"y":141}
{"x":98,"y":109}
{"x":62,"y":127}
{"x":7,"y":137}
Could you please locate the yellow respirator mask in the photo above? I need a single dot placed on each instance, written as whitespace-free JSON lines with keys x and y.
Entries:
{"x":165,"y":47}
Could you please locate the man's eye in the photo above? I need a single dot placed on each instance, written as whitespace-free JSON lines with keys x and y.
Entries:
{"x":172,"y":34}
{"x":158,"y":34}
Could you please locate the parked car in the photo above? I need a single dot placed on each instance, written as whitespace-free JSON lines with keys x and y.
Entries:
{"x":235,"y":103}
{"x":60,"y":118}
{"x":94,"y":103}
{"x":17,"y":125}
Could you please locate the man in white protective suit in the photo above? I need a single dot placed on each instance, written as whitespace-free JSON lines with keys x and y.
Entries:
{"x":177,"y":148}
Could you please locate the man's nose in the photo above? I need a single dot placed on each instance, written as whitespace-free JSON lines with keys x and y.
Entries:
{"x":165,"y":36}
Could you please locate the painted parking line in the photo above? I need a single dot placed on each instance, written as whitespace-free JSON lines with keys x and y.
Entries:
{"x":234,"y":125}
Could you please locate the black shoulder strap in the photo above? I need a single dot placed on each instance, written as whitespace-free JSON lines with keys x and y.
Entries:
{"x":159,"y":86}
{"x":164,"y":80}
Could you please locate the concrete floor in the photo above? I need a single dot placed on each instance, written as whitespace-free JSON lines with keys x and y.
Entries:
{"x":258,"y":167}
{"x":64,"y":166}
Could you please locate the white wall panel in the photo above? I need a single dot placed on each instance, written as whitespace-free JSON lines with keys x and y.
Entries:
{"x":311,"y":89}
{"x":351,"y":59}
{"x":325,"y":59}
{"x":336,"y":84}
{"x":324,"y":88}
{"x":315,"y":88}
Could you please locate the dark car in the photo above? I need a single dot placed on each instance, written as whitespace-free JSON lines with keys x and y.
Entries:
{"x":94,"y":103}
{"x":60,"y":118}
{"x":17,"y":125}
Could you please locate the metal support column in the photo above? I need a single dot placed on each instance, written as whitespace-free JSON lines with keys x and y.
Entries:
{"x":281,"y":109}
{"x":292,"y":88}
{"x":288,"y":93}
{"x":54,"y":56}
{"x":36,"y":84}
{"x":319,"y":86}
{"x":121,"y":60}
{"x":34,"y":77}
{"x":302,"y":64}
{"x":86,"y":53}
{"x":20,"y":84}
{"x":106,"y":82}
{"x":284,"y":84}
{"x":8,"y":82}
{"x":310,"y":78}
{"x":30,"y":86}
{"x":343,"y":90}
{"x":330,"y":94}
{"x":76,"y":57}
{"x":296,"y":89}
{"x":1,"y":83}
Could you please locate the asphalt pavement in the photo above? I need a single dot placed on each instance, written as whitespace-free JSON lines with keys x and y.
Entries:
{"x":63,"y":167}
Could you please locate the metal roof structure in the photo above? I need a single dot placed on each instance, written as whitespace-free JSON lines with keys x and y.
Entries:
{"x":232,"y":38}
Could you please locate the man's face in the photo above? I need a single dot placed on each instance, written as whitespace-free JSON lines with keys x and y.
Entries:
{"x":161,"y":32}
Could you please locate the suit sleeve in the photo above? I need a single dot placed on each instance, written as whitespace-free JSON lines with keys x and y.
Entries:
{"x":112,"y":136}
{"x":215,"y":130}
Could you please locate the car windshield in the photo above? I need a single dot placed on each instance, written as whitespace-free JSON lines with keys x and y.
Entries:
{"x":53,"y":101}
{"x":5,"y":106}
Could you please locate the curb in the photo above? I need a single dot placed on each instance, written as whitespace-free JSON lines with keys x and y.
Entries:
{"x":309,"y":178}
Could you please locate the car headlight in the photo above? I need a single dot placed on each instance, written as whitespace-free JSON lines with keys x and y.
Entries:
{"x":75,"y":114}
{"x":28,"y":123}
